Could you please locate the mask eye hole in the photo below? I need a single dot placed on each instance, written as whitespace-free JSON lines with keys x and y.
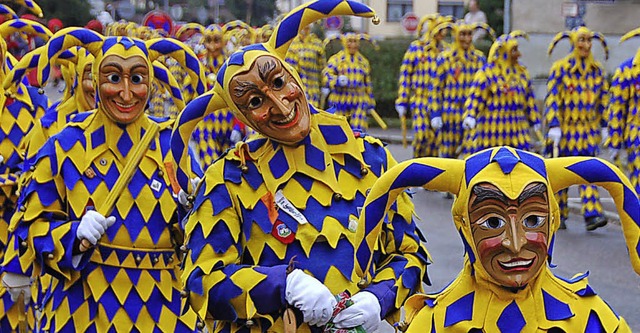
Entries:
{"x":493,"y":223}
{"x":136,"y":78}
{"x":114,"y":78}
{"x":255,"y":102}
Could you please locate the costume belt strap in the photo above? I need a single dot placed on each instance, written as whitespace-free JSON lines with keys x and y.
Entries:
{"x":135,"y":258}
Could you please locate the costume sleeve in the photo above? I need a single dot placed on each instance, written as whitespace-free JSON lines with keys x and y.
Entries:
{"x":553,"y":101}
{"x":435,"y":89}
{"x":603,"y":100}
{"x":369,"y":85}
{"x":407,"y":69}
{"x":478,"y":94}
{"x":43,"y":235}
{"x":217,"y":283}
{"x":618,"y":107}
{"x":401,"y":259}
{"x":531,"y":108}
{"x":292,"y":56}
{"x":330,"y":73}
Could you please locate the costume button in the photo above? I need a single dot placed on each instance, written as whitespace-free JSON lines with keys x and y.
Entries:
{"x":160,"y":173}
{"x":22,"y":208}
{"x":337,"y":196}
{"x":23,"y":243}
{"x":138,"y":259}
{"x":156,"y":259}
{"x":250,"y":323}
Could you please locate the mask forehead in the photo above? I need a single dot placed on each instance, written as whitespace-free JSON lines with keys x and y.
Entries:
{"x":123,"y":47}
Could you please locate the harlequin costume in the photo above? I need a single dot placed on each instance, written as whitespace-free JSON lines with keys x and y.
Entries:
{"x":239,"y":244}
{"x":307,"y":57}
{"x":456,"y":68}
{"x":576,"y":100}
{"x":501,"y":100}
{"x":476,"y":301}
{"x":622,"y":113}
{"x":129,"y":282}
{"x":417,"y":69}
{"x":354,"y":99}
{"x":212,"y":136}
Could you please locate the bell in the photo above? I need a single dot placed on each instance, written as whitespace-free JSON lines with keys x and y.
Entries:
{"x":375,"y":20}
{"x":244,"y":168}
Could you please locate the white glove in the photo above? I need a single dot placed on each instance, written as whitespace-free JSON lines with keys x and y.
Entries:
{"x":613,"y":153}
{"x":324,"y":91}
{"x":93,"y":225}
{"x":402,"y":110}
{"x":537,"y":127}
{"x":469,"y":123}
{"x":343,"y":80}
{"x":183,"y":196}
{"x":211,"y":77}
{"x":236,"y":136}
{"x":555,"y":135}
{"x":604,"y":133}
{"x":436,"y":123}
{"x":1,"y":158}
{"x":17,"y":284}
{"x":310,"y":296}
{"x":365,"y":311}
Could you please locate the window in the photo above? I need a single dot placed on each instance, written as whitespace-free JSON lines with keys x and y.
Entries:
{"x":453,"y":8}
{"x":396,"y":9}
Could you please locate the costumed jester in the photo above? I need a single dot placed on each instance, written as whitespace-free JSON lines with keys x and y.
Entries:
{"x":274,"y":222}
{"x":348,"y":77}
{"x":577,"y":97}
{"x":100,"y":214}
{"x":456,"y":68}
{"x":218,"y":131}
{"x":18,"y":113}
{"x":622,"y":113}
{"x":507,"y":215}
{"x":306,"y":55}
{"x":417,"y":69}
{"x":501,"y":108}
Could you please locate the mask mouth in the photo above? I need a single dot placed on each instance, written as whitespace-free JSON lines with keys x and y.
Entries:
{"x":516,"y":264}
{"x":290,"y":120}
{"x":125,"y":108}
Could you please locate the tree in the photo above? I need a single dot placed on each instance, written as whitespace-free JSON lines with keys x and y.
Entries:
{"x":494,"y":9}
{"x":254,"y":12}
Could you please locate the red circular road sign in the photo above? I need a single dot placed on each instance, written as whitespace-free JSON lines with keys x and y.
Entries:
{"x":410,"y":22}
{"x":333,"y":23}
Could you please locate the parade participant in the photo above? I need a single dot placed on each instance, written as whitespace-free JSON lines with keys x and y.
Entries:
{"x":574,"y":109}
{"x":623,"y":117}
{"x":264,"y":33}
{"x":238,"y":34}
{"x":449,"y":89}
{"x":501,"y":108}
{"x":290,"y":197}
{"x":99,"y":214}
{"x":17,"y":115}
{"x":417,"y":69}
{"x":95,"y":25}
{"x":348,"y":77}
{"x":506,"y":214}
{"x":217,"y":132}
{"x":306,"y":56}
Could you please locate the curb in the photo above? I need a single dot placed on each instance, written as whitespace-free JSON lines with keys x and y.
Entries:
{"x":613,"y":217}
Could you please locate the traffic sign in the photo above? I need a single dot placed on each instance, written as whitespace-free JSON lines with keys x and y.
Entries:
{"x":410,"y":22}
{"x":333,"y":23}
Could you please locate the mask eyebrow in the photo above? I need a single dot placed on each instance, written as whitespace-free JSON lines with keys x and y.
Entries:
{"x":265,"y":69}
{"x":537,"y":190}
{"x":487,"y":193}
{"x":113,"y":64}
{"x":242,"y":87}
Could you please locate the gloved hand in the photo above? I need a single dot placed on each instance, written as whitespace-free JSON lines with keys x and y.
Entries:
{"x":365,"y":311}
{"x":402,"y":110}
{"x":236,"y":136}
{"x":183,"y":196}
{"x":613,"y":153}
{"x":469,"y":123}
{"x":436,"y":123}
{"x":93,"y":225}
{"x":555,"y":135}
{"x":604,"y":133}
{"x":310,"y":296}
{"x":343,"y":81}
{"x":537,"y":127}
{"x":324,"y":91}
{"x":1,"y":158}
{"x":17,"y":284}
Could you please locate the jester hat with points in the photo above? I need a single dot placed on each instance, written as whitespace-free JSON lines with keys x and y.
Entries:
{"x":241,"y":61}
{"x":510,"y":170}
{"x":573,"y":36}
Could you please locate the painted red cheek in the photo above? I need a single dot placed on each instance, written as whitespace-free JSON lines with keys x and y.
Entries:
{"x":489,"y":245}
{"x":536,"y":238}
{"x":109,"y":90}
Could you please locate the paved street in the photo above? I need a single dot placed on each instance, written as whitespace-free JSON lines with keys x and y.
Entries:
{"x":601,"y":252}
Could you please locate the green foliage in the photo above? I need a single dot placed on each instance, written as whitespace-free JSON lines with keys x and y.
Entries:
{"x":494,"y":9}
{"x":70,"y":12}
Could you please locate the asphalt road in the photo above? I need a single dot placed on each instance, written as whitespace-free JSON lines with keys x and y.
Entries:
{"x":601,"y":252}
